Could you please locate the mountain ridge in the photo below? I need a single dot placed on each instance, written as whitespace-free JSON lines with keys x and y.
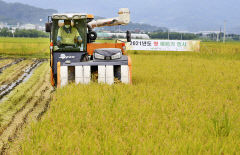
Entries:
{"x":23,"y":13}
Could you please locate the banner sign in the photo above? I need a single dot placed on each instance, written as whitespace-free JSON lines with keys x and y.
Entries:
{"x":164,"y":45}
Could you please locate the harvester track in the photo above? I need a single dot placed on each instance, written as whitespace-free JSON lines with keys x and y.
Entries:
{"x":31,"y":109}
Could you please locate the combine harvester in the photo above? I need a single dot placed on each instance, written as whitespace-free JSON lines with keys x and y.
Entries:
{"x":79,"y":62}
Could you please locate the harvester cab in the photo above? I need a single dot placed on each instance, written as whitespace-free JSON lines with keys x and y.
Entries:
{"x":75,"y":57}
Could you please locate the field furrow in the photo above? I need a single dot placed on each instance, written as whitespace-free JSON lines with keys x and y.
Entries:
{"x":8,"y":88}
{"x":17,"y":103}
{"x":31,"y":108}
{"x":4,"y":64}
{"x":12,"y":73}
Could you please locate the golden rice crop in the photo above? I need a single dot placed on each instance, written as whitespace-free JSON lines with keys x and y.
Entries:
{"x":179,"y":103}
{"x":24,"y":47}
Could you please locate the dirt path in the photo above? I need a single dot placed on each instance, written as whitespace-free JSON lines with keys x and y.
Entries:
{"x":32,"y":109}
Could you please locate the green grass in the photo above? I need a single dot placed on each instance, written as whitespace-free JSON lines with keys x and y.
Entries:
{"x":24,"y":47}
{"x":179,"y":103}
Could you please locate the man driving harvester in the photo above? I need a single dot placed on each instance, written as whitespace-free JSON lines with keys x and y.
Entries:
{"x":68,"y":35}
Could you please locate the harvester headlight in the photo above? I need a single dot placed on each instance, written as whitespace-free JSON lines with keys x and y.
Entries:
{"x":99,"y":56}
{"x":116,"y":56}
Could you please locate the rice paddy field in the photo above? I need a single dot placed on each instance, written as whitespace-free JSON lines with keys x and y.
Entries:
{"x":179,"y":103}
{"x":24,"y":47}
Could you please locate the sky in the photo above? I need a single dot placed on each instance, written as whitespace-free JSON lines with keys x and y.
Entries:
{"x":180,"y":14}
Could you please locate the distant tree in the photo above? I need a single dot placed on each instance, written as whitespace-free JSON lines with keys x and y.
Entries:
{"x":5,"y":32}
{"x":173,"y":35}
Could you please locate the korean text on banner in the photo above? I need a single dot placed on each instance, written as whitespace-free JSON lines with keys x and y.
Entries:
{"x":164,"y":45}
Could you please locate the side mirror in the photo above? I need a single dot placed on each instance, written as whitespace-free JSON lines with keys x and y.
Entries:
{"x":48,"y":27}
{"x":92,"y":35}
{"x":129,"y":38}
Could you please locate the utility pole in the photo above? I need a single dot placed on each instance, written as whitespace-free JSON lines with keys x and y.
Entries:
{"x":224,"y":37}
{"x":220,"y":35}
{"x":13,"y":33}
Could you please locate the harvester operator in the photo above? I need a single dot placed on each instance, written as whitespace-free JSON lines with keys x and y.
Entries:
{"x":68,"y":35}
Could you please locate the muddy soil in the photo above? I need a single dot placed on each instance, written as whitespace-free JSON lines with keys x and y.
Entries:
{"x":16,"y":61}
{"x":6,"y":89}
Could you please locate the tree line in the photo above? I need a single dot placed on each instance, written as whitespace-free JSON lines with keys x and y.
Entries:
{"x":5,"y":32}
{"x":173,"y":36}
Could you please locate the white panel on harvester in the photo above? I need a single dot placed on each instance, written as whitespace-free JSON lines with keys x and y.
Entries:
{"x":101,"y":74}
{"x":86,"y":74}
{"x":124,"y":74}
{"x":64,"y":75}
{"x":109,"y":75}
{"x":78,"y":74}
